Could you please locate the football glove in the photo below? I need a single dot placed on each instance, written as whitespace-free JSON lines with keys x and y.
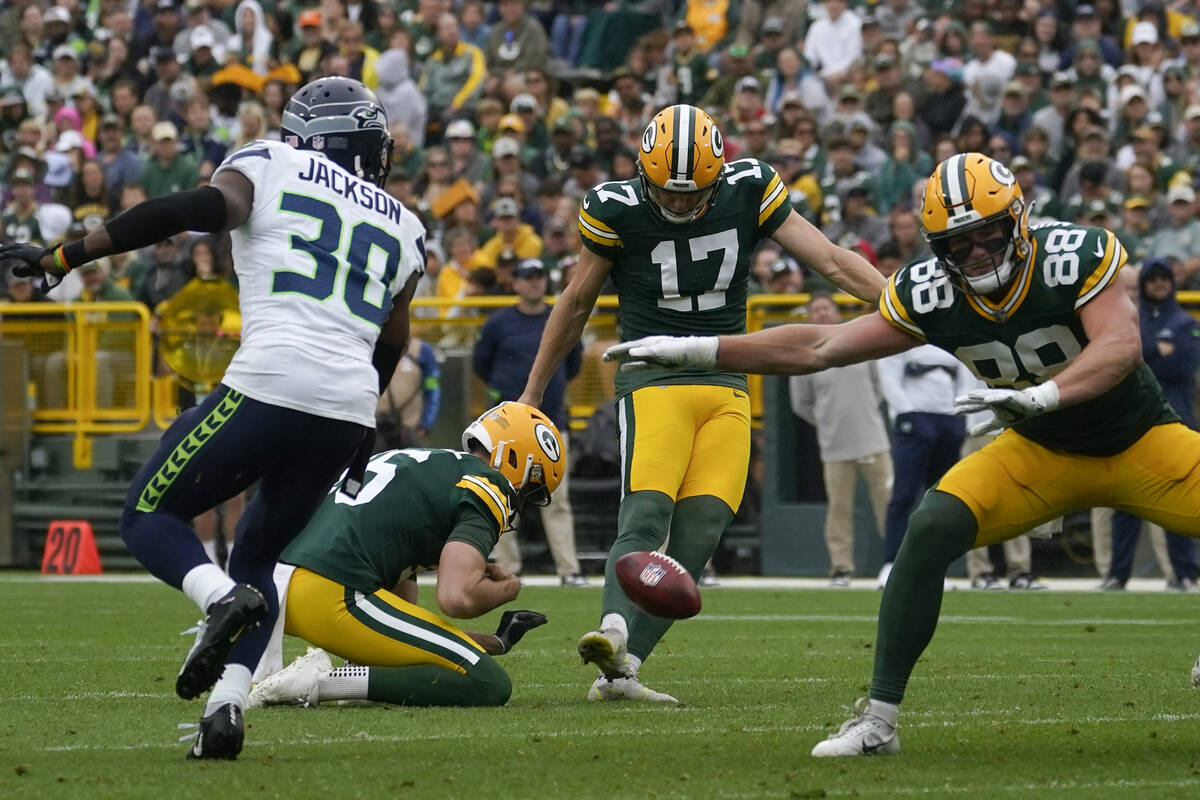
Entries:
{"x":514,"y":624}
{"x":25,"y":260}
{"x":665,"y":351}
{"x":1008,"y":406}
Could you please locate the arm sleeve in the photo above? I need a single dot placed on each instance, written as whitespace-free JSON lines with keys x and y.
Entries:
{"x":431,"y":385}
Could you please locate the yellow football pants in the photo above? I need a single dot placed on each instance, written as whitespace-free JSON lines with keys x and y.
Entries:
{"x":685,"y":440}
{"x":376,"y":630}
{"x":1013,"y":484}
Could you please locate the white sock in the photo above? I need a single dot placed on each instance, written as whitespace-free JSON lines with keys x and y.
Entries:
{"x":888,"y":712}
{"x":210,"y":550}
{"x":206,"y":584}
{"x":347,"y":682}
{"x":234,"y":687}
{"x":615,"y":622}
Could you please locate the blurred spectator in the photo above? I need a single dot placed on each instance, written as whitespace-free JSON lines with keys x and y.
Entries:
{"x":511,"y":234}
{"x":165,"y":27}
{"x":473,"y":24}
{"x":88,"y":197}
{"x":200,"y":60}
{"x":585,"y":172}
{"x":502,"y":357}
{"x":738,"y":66}
{"x":905,"y":236}
{"x":167,"y":171}
{"x":834,"y":42}
{"x":167,"y":71}
{"x":944,"y":99}
{"x":197,"y":140}
{"x":466,"y":161}
{"x":20,"y":217}
{"x":857,"y":220}
{"x":121,"y":165}
{"x":454,"y":74}
{"x":843,"y":404}
{"x":690,"y":73}
{"x":1180,"y":241}
{"x":163,"y":277}
{"x":517,"y":41}
{"x":313,"y":48}
{"x":905,"y":164}
{"x":360,"y":57}
{"x":784,"y":277}
{"x":409,"y":406}
{"x":400,"y":96}
{"x":1086,"y":27}
{"x":251,"y":41}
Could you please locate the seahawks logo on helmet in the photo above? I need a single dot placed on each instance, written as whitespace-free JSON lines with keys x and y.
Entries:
{"x":368,"y":117}
{"x":548,"y":441}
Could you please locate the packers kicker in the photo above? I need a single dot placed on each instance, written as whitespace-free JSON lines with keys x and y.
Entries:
{"x":348,"y":585}
{"x":1039,"y":315}
{"x":677,"y":241}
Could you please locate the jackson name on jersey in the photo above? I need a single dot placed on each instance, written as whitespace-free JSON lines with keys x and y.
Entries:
{"x":1033,"y":333}
{"x":323,"y":253}
{"x":688,"y":279}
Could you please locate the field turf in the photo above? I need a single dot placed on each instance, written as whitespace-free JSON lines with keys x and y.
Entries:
{"x":1058,"y":695}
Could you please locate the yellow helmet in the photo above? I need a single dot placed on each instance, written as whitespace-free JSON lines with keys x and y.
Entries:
{"x":680,"y":162}
{"x":968,"y":197}
{"x":524,"y":446}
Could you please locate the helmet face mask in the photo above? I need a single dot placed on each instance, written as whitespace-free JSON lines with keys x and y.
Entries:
{"x":976,"y":222}
{"x":524,"y":446}
{"x":345,"y":121}
{"x":680,"y":163}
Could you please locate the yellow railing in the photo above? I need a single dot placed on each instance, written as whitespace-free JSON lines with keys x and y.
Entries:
{"x":89,"y":367}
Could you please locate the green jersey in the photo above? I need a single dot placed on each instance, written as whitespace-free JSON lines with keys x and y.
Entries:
{"x":404,"y":514}
{"x":1033,"y":334}
{"x":21,"y":229}
{"x":688,"y":279}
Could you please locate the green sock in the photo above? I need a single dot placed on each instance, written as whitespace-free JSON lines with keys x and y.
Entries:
{"x":642,"y":523}
{"x":696,"y":530}
{"x":939,"y":531}
{"x":484,"y":684}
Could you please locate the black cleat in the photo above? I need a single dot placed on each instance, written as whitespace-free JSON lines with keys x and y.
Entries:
{"x":220,"y":734}
{"x":225,"y":621}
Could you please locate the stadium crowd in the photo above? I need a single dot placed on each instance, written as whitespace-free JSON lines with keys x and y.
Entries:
{"x":504,"y":114}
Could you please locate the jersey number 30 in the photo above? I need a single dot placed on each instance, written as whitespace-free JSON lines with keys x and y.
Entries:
{"x":325,"y":249}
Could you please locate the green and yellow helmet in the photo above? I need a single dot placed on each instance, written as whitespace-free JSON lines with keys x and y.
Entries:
{"x":968,"y":194}
{"x":680,"y":162}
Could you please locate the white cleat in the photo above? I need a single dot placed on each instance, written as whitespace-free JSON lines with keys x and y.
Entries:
{"x":295,"y":684}
{"x":626,"y":689}
{"x":864,"y":735}
{"x":1196,"y":673}
{"x":606,"y":649}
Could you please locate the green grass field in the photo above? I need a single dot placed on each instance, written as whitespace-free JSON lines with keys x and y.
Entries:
{"x":1059,"y":694}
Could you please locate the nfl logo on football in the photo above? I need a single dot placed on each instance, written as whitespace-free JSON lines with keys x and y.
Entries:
{"x":652,"y":574}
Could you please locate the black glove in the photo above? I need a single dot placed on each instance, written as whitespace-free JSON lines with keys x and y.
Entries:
{"x":514,"y":624}
{"x":25,"y":261}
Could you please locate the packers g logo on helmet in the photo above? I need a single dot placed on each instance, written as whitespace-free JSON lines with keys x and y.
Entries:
{"x":524,"y":446}
{"x":680,"y":163}
{"x":968,"y":197}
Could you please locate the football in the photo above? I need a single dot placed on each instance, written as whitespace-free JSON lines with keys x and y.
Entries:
{"x":658,"y":584}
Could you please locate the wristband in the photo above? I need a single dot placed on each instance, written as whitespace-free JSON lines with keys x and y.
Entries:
{"x":59,"y":261}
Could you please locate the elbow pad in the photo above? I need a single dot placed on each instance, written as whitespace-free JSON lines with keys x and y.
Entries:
{"x":150,"y":222}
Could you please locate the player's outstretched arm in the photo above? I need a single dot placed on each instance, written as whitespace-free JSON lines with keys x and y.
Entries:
{"x":796,"y":349}
{"x":1113,"y":350}
{"x":847,"y":269}
{"x":222,"y":205}
{"x":566,"y":322}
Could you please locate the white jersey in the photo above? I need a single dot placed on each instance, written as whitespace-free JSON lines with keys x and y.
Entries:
{"x":318,"y":263}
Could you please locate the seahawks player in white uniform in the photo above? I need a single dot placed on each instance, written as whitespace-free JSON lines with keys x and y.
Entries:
{"x":326,"y":263}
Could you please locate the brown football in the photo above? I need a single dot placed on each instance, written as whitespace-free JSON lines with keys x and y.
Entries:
{"x":658,"y":584}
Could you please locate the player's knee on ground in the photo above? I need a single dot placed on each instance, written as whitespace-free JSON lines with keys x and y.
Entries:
{"x":494,"y":685}
{"x":940,"y":530}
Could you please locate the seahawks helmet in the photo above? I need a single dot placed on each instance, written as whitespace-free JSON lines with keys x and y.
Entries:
{"x":344,"y":120}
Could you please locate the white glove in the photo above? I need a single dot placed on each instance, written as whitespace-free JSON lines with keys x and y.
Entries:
{"x":1009,"y":406}
{"x":665,"y":351}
